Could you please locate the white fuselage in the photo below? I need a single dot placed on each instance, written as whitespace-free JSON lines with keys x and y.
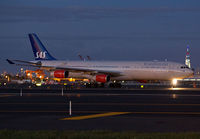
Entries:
{"x":146,"y":70}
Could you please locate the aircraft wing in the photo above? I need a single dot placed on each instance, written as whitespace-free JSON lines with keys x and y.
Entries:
{"x":72,"y":69}
{"x":92,"y":71}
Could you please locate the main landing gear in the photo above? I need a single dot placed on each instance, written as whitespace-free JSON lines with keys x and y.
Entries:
{"x":115,"y":85}
{"x":104,"y":85}
{"x":95,"y":85}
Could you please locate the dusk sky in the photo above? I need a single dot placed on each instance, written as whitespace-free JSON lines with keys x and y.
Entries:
{"x":103,"y":29}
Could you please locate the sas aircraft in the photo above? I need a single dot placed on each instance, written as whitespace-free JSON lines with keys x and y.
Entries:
{"x":103,"y":71}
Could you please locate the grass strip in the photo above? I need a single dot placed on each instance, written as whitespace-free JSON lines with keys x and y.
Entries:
{"x":53,"y":134}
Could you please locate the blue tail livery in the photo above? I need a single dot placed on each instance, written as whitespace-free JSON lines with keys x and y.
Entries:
{"x":39,"y":51}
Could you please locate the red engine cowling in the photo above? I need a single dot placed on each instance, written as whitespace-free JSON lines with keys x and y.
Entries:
{"x":102,"y":78}
{"x":60,"y":74}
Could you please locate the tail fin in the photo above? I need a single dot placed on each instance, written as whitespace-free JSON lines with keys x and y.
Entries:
{"x":39,"y":51}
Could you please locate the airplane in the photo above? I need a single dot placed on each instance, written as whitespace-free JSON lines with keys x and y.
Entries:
{"x":103,"y":71}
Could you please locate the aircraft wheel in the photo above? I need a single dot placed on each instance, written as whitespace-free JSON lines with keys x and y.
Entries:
{"x":115,"y":85}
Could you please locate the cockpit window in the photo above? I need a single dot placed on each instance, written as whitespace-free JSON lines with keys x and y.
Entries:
{"x":184,"y":67}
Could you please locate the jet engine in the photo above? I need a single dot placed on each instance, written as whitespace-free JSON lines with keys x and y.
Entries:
{"x":59,"y":74}
{"x":102,"y":78}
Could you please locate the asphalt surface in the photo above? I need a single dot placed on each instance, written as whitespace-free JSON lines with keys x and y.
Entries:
{"x":142,"y":110}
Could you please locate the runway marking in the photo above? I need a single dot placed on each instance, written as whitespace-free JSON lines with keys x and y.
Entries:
{"x":104,"y":104}
{"x":102,"y":113}
{"x":32,"y":103}
{"x":104,"y":94}
{"x":136,"y":104}
{"x":48,"y":111}
{"x":28,"y":111}
{"x":178,"y":113}
{"x":6,"y":95}
{"x":120,"y":113}
{"x":95,"y":116}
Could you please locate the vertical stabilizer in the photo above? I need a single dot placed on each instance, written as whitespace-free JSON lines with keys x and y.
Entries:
{"x":39,"y":51}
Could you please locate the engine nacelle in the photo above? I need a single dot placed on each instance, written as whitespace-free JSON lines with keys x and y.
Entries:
{"x":59,"y":74}
{"x":102,"y":78}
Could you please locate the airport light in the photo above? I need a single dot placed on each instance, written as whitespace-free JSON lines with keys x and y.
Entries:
{"x":71,"y":79}
{"x":8,"y":79}
{"x":38,"y":84}
{"x":174,"y":82}
{"x":86,"y":80}
{"x":174,"y":96}
{"x":22,"y":70}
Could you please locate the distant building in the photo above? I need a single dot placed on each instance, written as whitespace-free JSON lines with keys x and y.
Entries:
{"x":197,"y":71}
{"x":187,"y":57}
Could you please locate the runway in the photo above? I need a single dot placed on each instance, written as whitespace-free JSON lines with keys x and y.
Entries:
{"x":118,"y":110}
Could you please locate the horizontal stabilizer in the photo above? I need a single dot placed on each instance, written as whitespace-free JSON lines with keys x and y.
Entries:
{"x":9,"y":61}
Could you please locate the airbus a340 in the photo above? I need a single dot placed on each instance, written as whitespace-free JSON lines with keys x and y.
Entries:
{"x":103,"y":71}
